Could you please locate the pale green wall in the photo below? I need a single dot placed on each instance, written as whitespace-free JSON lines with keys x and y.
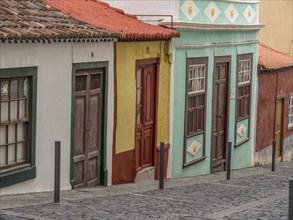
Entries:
{"x":242,"y":155}
{"x":222,"y":6}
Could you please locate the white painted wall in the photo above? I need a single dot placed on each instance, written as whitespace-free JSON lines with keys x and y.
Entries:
{"x":151,"y":7}
{"x":54,"y":62}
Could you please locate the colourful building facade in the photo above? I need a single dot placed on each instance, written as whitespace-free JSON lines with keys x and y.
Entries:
{"x":275,"y":106}
{"x":141,"y":89}
{"x":213,"y":83}
{"x":215,"y":86}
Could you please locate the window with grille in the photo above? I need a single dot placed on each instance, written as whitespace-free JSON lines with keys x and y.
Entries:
{"x":244,"y":86}
{"x":18,"y":96}
{"x":195,"y":95}
{"x":14,"y":122}
{"x":290,"y":113}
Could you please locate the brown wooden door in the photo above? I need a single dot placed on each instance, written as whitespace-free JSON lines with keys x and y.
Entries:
{"x":279,"y":126}
{"x":87,"y":127}
{"x":219,"y":117}
{"x":145,"y":115}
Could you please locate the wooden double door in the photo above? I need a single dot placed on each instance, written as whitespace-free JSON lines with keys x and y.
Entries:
{"x":220,"y":116}
{"x":87,"y":127}
{"x":145,"y":115}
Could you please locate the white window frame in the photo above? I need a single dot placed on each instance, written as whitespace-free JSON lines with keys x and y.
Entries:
{"x":244,"y":68}
{"x":199,"y":78}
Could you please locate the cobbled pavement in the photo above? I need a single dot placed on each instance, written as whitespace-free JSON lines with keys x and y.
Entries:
{"x":253,"y":193}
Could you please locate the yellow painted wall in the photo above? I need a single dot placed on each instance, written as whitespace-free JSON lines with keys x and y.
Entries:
{"x":126,"y":55}
{"x":278,"y":17}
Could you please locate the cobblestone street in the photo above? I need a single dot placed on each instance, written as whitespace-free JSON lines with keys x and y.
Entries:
{"x":254,"y":193}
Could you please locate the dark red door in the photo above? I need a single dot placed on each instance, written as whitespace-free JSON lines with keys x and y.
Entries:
{"x":87,"y":127}
{"x":145,"y":115}
{"x":219,"y":127}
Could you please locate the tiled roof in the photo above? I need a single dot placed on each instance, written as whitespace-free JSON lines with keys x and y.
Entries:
{"x":102,"y":15}
{"x":271,"y":59}
{"x":34,"y":20}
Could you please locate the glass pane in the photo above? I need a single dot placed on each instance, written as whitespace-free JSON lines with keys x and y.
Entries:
{"x":2,"y":156}
{"x":11,"y":133}
{"x":21,"y":152}
{"x":2,"y":135}
{"x":202,"y":84}
{"x":13,"y":89}
{"x":20,"y":132}
{"x":138,"y":117}
{"x":80,"y":83}
{"x":23,"y":84}
{"x":11,"y":154}
{"x":4,"y":90}
{"x":95,"y":81}
{"x":13,"y":110}
{"x":22,"y":109}
{"x":138,"y":78}
{"x":190,"y":86}
{"x":4,"y":111}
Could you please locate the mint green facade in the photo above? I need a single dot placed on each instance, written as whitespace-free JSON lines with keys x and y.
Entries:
{"x":231,"y":40}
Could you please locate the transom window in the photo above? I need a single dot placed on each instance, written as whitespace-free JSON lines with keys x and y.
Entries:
{"x":244,"y":86}
{"x":290,"y":113}
{"x":13,"y":122}
{"x":196,"y":95}
{"x":196,"y":80}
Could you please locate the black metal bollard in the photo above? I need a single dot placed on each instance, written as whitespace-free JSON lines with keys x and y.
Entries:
{"x":273,"y":155}
{"x":161,"y":178}
{"x":57,"y":172}
{"x":291,"y":199}
{"x":229,"y":160}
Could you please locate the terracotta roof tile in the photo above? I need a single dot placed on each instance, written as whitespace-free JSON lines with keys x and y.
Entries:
{"x":34,"y":20}
{"x":102,"y":15}
{"x":270,"y":59}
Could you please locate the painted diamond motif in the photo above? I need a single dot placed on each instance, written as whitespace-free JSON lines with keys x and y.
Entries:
{"x":189,"y":9}
{"x":249,"y":14}
{"x":194,"y":148}
{"x":212,"y":11}
{"x":241,"y":130}
{"x":231,"y":13}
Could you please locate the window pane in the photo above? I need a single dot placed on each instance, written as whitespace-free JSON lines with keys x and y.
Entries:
{"x":11,"y":133}
{"x":21,"y":152}
{"x":2,"y":156}
{"x":22,"y":109}
{"x":11,"y":154}
{"x":4,"y":90}
{"x":20,"y":132}
{"x":4,"y":111}
{"x":80,"y":83}
{"x":13,"y":89}
{"x":23,"y":84}
{"x":196,"y":79}
{"x":2,"y":135}
{"x":95,"y":81}
{"x":138,"y":78}
{"x":13,"y":110}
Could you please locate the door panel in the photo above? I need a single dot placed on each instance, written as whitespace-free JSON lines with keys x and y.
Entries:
{"x":87,"y":127}
{"x":147,"y":147}
{"x":279,"y":126}
{"x":145,"y":115}
{"x":220,"y":102}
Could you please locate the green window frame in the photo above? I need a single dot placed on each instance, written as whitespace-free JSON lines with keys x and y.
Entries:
{"x":27,"y":170}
